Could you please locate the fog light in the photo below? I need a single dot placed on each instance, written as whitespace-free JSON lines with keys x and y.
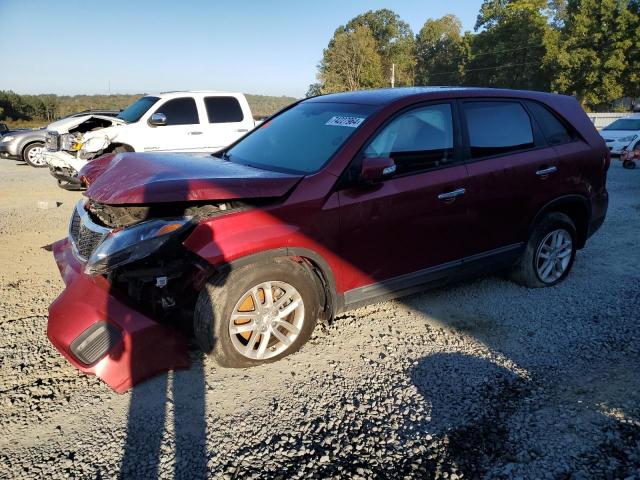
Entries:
{"x":94,"y":343}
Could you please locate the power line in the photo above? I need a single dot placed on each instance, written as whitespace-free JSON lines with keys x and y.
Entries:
{"x":486,"y":68}
{"x":509,"y":50}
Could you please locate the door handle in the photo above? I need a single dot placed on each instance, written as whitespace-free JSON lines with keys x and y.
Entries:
{"x":453,"y":194}
{"x":195,"y":133}
{"x":546,"y":171}
{"x":242,"y":130}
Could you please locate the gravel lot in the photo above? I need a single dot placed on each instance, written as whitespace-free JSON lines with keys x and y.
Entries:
{"x":483,"y":380}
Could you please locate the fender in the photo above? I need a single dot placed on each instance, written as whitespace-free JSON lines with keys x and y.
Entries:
{"x":561,"y":204}
{"x":236,"y":240}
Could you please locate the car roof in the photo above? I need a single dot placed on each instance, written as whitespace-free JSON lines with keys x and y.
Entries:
{"x":384,"y":96}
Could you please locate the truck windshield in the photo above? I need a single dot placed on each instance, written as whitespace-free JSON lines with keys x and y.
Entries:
{"x":624,"y":124}
{"x":137,"y":109}
{"x":302,"y":139}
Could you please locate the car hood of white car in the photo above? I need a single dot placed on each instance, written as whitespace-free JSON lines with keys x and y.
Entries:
{"x":63,"y":125}
{"x":616,"y":134}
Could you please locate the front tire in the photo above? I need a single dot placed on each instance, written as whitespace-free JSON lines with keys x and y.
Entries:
{"x":628,"y":164}
{"x":550,"y":253}
{"x":32,"y":154}
{"x":257,"y":314}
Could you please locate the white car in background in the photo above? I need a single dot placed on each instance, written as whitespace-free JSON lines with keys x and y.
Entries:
{"x":623,"y":134}
{"x":197,"y":121}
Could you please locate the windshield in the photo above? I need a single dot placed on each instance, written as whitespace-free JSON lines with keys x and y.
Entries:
{"x":137,"y":109}
{"x":302,"y":139}
{"x":624,"y":124}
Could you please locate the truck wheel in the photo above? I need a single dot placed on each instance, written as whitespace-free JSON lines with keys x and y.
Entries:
{"x":628,"y":164}
{"x":257,"y":314}
{"x":32,"y":154}
{"x":550,"y":252}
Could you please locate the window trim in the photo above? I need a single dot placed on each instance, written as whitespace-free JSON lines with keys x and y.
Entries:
{"x":345,"y":182}
{"x":539,"y":141}
{"x":206,"y":109}
{"x":195,"y":103}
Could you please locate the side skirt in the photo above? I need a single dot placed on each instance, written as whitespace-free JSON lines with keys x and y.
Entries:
{"x":433,"y":277}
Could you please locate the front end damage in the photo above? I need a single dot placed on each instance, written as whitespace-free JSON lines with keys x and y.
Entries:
{"x":126,"y":312}
{"x":71,"y":147}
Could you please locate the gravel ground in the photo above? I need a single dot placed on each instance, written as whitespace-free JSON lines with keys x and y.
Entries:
{"x":485,"y":379}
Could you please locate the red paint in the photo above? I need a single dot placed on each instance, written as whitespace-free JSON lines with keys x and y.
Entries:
{"x":147,"y":347}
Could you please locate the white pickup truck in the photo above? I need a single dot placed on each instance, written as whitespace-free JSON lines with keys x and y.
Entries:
{"x":197,"y":121}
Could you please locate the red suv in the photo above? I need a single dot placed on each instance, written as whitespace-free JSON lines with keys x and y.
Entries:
{"x":335,"y":202}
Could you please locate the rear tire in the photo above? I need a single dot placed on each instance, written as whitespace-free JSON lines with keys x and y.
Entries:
{"x":261,"y":336}
{"x":629,"y":164}
{"x":32,"y":155}
{"x":550,"y":253}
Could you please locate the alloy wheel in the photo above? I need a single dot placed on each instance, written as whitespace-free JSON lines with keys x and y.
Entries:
{"x":554,"y":255}
{"x":266,"y":320}
{"x":35,"y":156}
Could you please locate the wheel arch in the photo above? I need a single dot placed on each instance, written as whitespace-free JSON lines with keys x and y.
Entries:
{"x":115,"y":145}
{"x":25,"y":143}
{"x":319,"y":267}
{"x":576,"y":207}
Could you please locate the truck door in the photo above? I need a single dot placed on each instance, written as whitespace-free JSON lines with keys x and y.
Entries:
{"x":183,"y":131}
{"x":226,"y":121}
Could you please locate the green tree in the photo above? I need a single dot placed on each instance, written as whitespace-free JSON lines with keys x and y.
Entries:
{"x":514,"y":46}
{"x":350,"y":62}
{"x":631,"y":76}
{"x":593,"y":54}
{"x":440,"y":52}
{"x":394,"y":42}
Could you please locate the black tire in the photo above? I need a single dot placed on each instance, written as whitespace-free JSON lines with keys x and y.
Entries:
{"x":28,"y":150}
{"x":217,"y":300}
{"x":525,"y":272}
{"x":628,"y":164}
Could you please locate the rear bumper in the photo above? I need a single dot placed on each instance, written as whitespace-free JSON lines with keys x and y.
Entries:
{"x":141,"y":347}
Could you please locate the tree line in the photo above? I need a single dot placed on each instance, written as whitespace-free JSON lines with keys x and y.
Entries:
{"x":49,"y":107}
{"x":586,"y":48}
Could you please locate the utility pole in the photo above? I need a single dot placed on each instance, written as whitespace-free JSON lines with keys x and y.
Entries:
{"x":109,"y":87}
{"x":393,"y":75}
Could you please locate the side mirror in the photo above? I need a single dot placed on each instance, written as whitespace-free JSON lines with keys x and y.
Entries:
{"x":158,"y":120}
{"x":376,"y":169}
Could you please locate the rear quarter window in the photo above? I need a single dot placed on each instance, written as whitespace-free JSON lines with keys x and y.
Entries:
{"x":223,"y":109}
{"x":553,"y":129}
{"x":497,"y":127}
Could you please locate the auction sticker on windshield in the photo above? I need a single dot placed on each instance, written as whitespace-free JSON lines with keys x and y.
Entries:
{"x":342,"y":121}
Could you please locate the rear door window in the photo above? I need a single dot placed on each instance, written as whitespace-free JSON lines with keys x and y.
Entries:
{"x":418,"y":140}
{"x":180,"y":111}
{"x":552,"y":128}
{"x":223,"y":109}
{"x":497,"y":128}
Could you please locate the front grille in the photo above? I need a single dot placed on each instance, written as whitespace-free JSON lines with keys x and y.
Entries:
{"x":95,"y":342}
{"x":85,"y":238}
{"x":52,"y":141}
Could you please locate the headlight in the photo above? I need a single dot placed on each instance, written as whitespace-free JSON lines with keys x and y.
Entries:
{"x":133,"y":243}
{"x":629,"y":138}
{"x":6,"y":138}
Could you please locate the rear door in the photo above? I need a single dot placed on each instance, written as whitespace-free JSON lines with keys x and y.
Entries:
{"x":225,"y":121}
{"x":416,"y":220}
{"x":513,"y":172}
{"x":183,"y":131}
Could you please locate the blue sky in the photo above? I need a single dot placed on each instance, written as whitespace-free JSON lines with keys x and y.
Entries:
{"x":262,"y":47}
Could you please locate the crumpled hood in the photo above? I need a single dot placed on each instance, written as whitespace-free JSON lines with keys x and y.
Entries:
{"x":142,"y":178}
{"x":63,"y":125}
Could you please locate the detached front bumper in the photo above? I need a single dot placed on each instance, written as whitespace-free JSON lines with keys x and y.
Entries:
{"x":64,"y":168}
{"x":100,"y":335}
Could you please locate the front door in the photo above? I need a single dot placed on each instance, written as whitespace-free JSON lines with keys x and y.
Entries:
{"x":413,"y":223}
{"x":183,"y":131}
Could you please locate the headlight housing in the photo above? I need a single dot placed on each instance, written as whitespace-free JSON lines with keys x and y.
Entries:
{"x":6,"y":138}
{"x":121,"y":247}
{"x":628,"y":138}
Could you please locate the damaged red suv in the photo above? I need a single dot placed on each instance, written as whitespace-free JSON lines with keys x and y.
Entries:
{"x":335,"y":202}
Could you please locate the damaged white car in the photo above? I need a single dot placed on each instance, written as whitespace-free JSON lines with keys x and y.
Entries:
{"x":200,"y":121}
